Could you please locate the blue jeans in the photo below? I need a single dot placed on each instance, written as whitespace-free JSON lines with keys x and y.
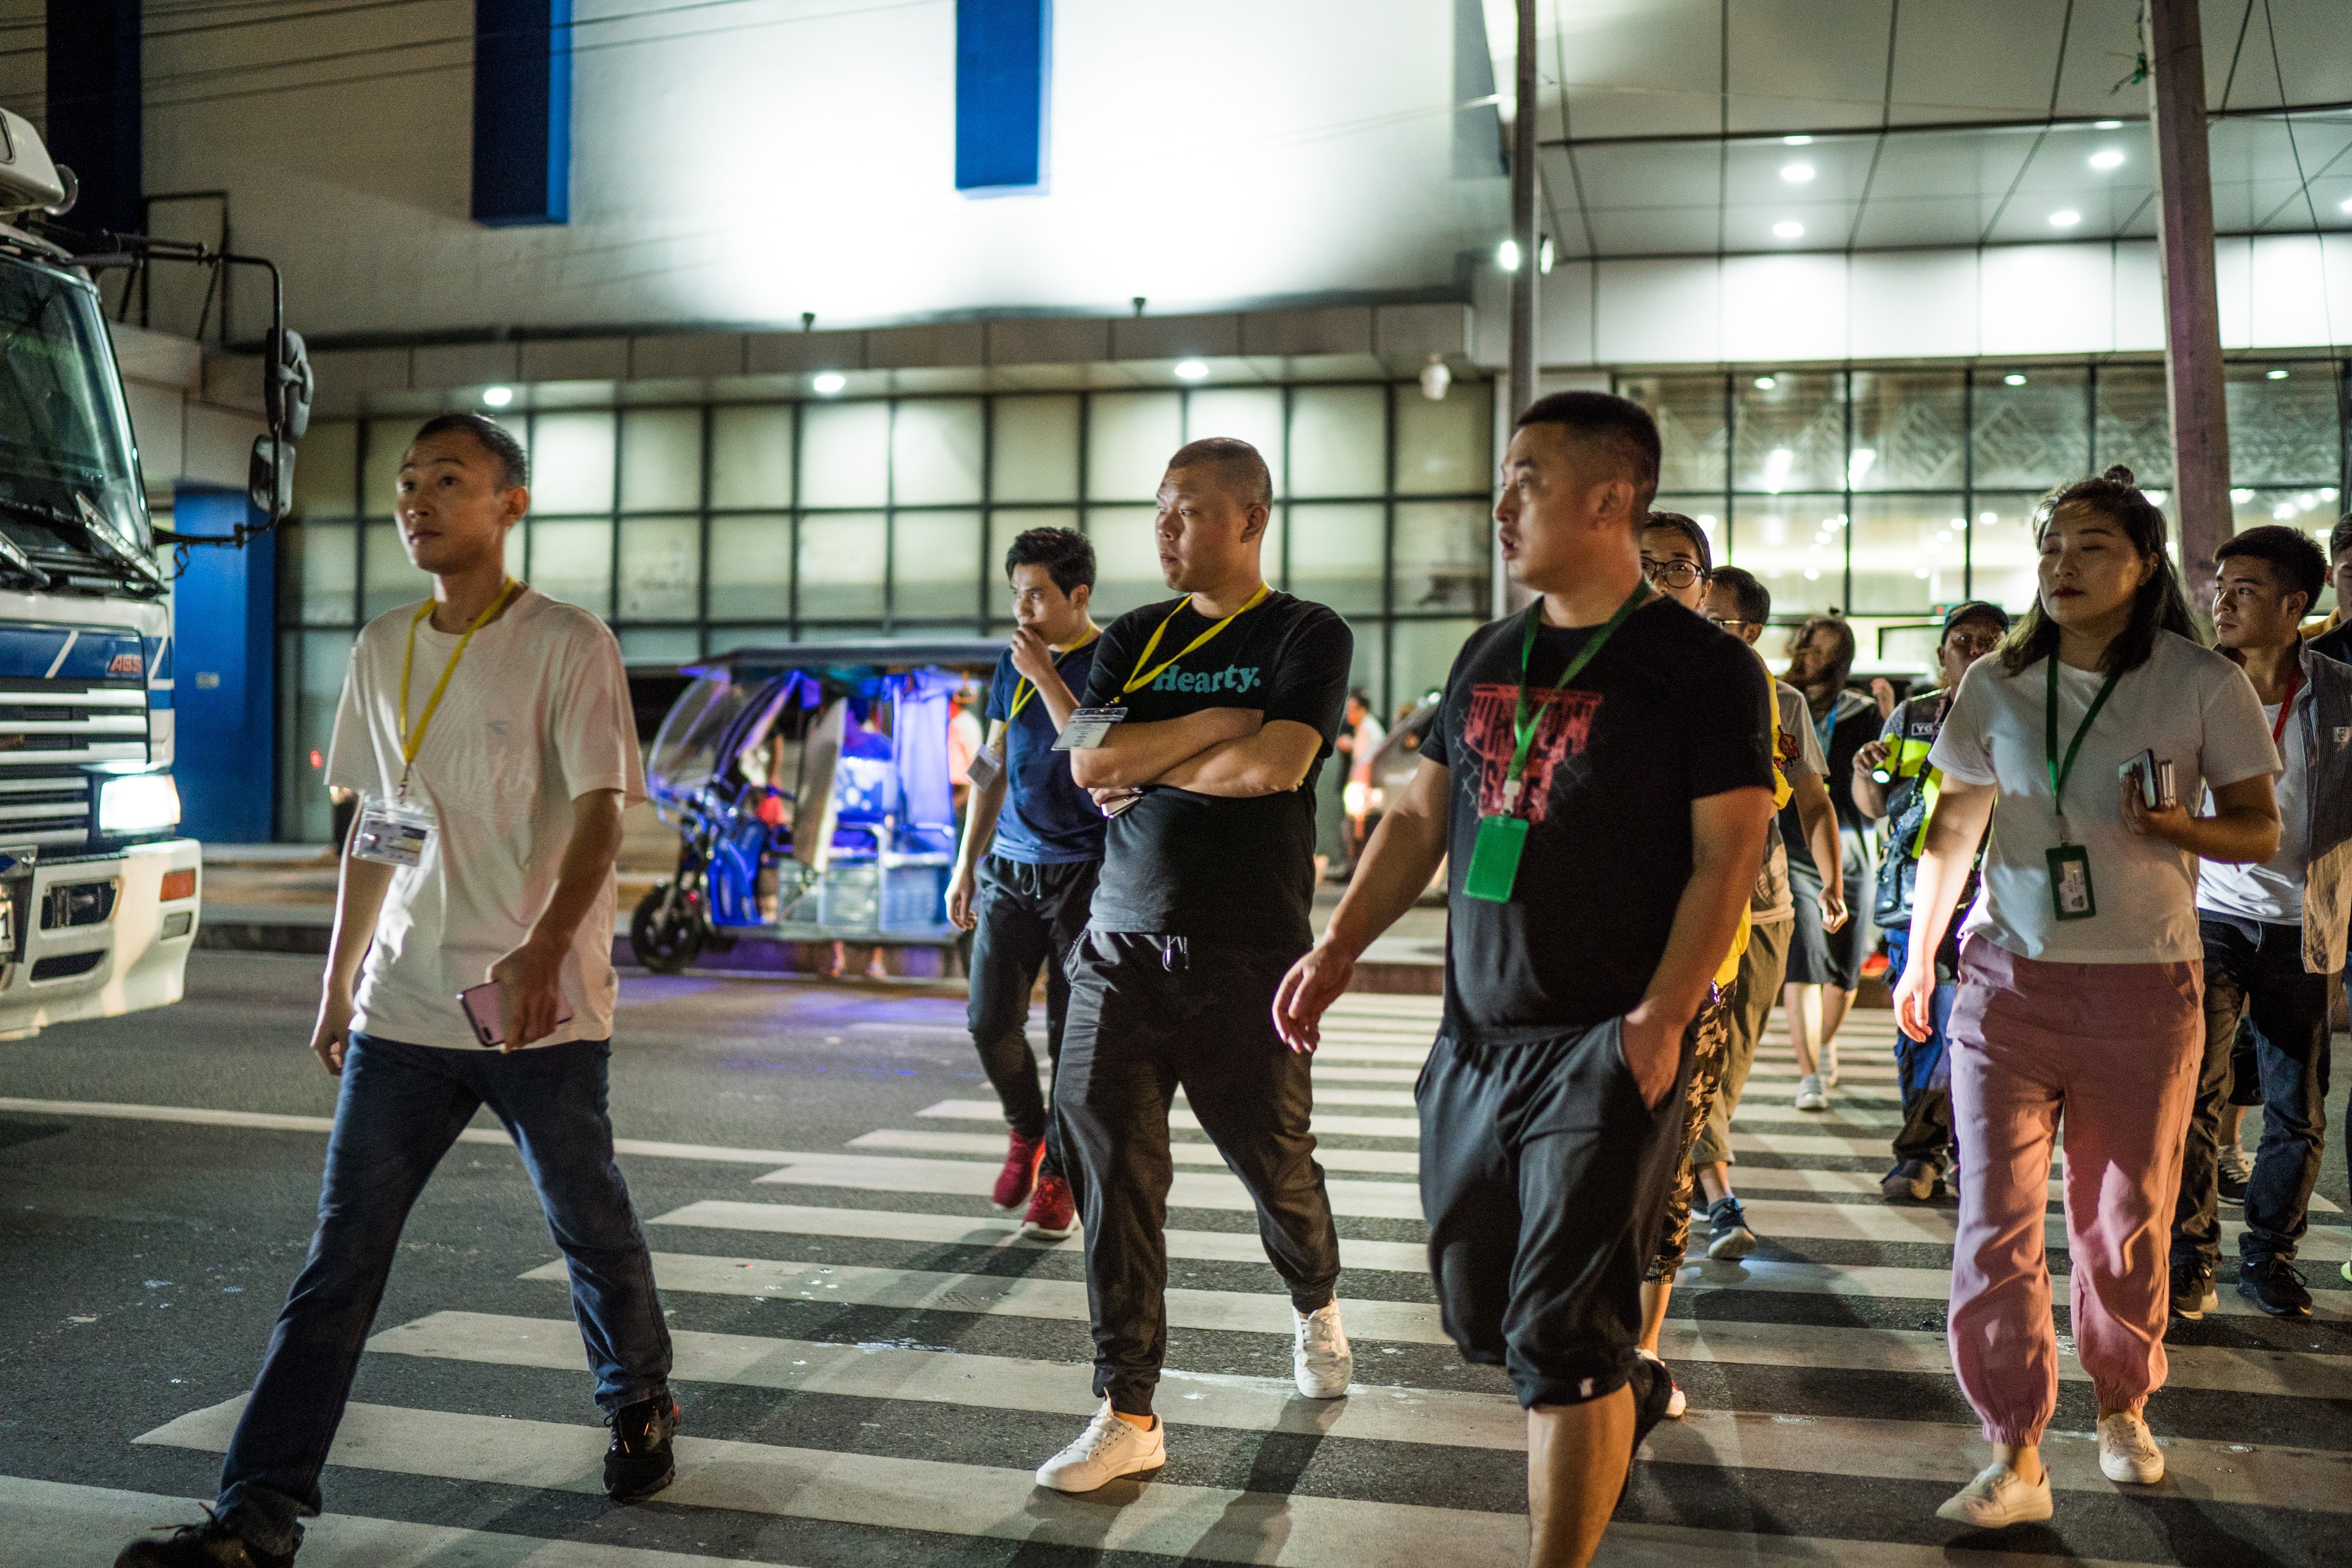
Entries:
{"x":400,"y":1109}
{"x":1923,"y":1067}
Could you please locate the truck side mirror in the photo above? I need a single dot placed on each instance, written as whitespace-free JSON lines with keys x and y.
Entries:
{"x":287,"y":385}
{"x":269,"y":477}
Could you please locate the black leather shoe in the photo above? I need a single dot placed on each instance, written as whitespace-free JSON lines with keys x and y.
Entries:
{"x":2272,"y":1284}
{"x":206,"y":1546}
{"x":639,"y":1463}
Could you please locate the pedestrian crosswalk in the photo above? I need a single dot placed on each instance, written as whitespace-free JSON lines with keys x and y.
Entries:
{"x":872,"y":1361}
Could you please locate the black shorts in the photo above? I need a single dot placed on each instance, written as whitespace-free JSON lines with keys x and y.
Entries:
{"x":1819,"y":957}
{"x":1545,"y":1180}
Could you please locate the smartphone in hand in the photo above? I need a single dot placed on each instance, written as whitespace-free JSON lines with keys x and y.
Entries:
{"x":480,"y":1003}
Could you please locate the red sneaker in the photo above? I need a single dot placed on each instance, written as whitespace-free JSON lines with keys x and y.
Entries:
{"x":1018,"y":1179}
{"x":1053,"y":1213}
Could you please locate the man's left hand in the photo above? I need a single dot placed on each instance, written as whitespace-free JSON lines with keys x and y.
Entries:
{"x":1653,"y":1050}
{"x":1031,"y":656}
{"x":530,"y":993}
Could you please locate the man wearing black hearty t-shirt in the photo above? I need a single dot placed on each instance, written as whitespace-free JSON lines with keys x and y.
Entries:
{"x":1597,"y":783}
{"x":1230,"y":697}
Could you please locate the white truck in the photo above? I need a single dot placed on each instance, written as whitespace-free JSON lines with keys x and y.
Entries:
{"x":98,"y":894}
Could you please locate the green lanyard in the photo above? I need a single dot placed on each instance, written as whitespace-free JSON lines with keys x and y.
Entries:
{"x":2060,"y":771}
{"x":1529,"y":719}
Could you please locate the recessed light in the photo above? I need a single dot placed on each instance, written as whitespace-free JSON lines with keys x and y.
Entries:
{"x":1192,"y":370}
{"x":2064,"y":218}
{"x":2274,"y":375}
{"x":2107,"y":158}
{"x":1789,"y":228}
{"x":2106,"y":125}
{"x":497,"y":397}
{"x":1765,"y":383}
{"x":1543,"y":255}
{"x":1507,"y":255}
{"x":1796,"y":174}
{"x":2014,"y":379}
{"x":2241,"y":497}
{"x":827,"y":382}
{"x":1796,"y":142}
{"x":2344,"y":205}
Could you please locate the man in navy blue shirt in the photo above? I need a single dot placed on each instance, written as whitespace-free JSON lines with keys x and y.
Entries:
{"x":1033,"y":845}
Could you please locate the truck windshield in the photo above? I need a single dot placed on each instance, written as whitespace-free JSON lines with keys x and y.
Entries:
{"x":65,"y":432}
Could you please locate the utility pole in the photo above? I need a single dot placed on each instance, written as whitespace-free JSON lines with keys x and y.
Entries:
{"x":1522,"y":386}
{"x":2192,"y":315}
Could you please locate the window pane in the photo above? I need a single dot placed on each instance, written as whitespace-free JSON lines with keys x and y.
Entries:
{"x":727,"y":639}
{"x":751,"y":456}
{"x":845,"y":455}
{"x":750,"y":567}
{"x":390,"y":581}
{"x":387,"y":441}
{"x":1444,"y":555}
{"x":1909,"y":553}
{"x":661,"y":563}
{"x":516,"y":548}
{"x":1796,"y":547}
{"x":2000,"y":550}
{"x":1339,"y":439}
{"x":1789,"y":433}
{"x":1129,"y":443}
{"x":843,"y":560}
{"x":660,"y":645}
{"x":935,"y":453}
{"x":324,"y":483}
{"x":2031,"y":435}
{"x":573,"y":560}
{"x":1127,"y":560}
{"x":2311,"y":509}
{"x":1420,"y":654}
{"x":1004,"y":525}
{"x":1249,"y":414}
{"x":2135,"y":425}
{"x":1910,"y":429}
{"x":325,"y":571}
{"x":2283,"y":425}
{"x":571,"y":463}
{"x":326,"y":657}
{"x":661,"y":460}
{"x":935,"y":564}
{"x":1336,"y":554}
{"x":1036,"y":454}
{"x":1706,"y":510}
{"x":1441,"y":447}
{"x":1690,"y":412}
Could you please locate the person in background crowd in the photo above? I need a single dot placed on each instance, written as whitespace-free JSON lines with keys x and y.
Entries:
{"x":1025,"y":874}
{"x":1825,"y":959}
{"x":1738,"y":603}
{"x":1597,"y":784}
{"x":2273,"y":933}
{"x":1361,"y":735}
{"x":2081,"y":971}
{"x":1923,"y":1144}
{"x":2334,"y":639}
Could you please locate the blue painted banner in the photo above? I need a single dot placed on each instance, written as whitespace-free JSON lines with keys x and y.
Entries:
{"x":1004,"y":54}
{"x":522,"y":112}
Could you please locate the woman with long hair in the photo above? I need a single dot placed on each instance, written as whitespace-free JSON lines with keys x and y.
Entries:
{"x":2081,"y":969}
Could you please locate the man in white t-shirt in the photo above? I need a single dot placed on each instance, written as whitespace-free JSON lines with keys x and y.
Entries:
{"x":489,"y":735}
{"x":2273,"y":933}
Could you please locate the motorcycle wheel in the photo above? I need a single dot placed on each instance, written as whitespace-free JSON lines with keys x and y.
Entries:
{"x":668,"y":932}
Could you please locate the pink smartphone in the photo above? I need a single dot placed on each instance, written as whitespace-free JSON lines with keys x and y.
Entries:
{"x":481,"y":1006}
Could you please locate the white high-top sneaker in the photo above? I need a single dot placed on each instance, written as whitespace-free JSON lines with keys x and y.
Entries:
{"x":1320,"y":1361}
{"x":1107,"y":1450}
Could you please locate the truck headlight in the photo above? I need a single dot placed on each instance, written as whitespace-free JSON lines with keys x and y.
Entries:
{"x":137,"y":803}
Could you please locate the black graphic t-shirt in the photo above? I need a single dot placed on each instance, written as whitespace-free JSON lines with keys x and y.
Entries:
{"x":1220,"y":870}
{"x":1671,"y":711}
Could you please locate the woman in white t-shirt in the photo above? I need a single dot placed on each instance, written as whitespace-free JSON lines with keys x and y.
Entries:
{"x":2081,"y":973}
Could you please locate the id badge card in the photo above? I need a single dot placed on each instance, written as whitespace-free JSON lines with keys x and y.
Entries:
{"x":392,"y":832}
{"x":2071,"y":897}
{"x":1088,"y":728}
{"x":986,"y":767}
{"x":1495,"y":858}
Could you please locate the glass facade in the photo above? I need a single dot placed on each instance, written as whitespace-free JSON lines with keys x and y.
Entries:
{"x":698,"y":530}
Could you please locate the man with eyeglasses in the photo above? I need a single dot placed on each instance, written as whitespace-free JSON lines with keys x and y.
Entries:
{"x":1892,"y":782}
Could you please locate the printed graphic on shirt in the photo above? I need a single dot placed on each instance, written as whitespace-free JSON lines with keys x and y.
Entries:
{"x":1231,"y":678}
{"x":1563,"y":724}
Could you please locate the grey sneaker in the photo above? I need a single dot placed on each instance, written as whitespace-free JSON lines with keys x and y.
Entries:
{"x":1810,"y":1093}
{"x":1727,"y":1236}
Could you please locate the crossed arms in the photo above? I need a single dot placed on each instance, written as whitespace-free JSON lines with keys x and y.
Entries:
{"x":1233,"y":752}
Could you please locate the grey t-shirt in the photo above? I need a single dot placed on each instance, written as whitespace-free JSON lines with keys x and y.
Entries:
{"x":1798,"y":749}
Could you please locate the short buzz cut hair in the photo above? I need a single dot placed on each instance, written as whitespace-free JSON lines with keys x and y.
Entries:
{"x":2291,"y":553}
{"x":1238,"y":466}
{"x":2339,"y":537}
{"x":1624,"y":426}
{"x":1068,"y":556}
{"x":1755,"y":599}
{"x":1690,"y":530}
{"x":514,"y":466}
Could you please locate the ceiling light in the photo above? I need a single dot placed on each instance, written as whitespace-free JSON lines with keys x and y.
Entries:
{"x":1765,"y":383}
{"x":2107,"y":158}
{"x":1543,"y":255}
{"x":1507,"y":255}
{"x":1989,"y":516}
{"x":497,"y":397}
{"x":1789,"y":228}
{"x":1192,"y":370}
{"x":2064,"y":218}
{"x":1858,"y":464}
{"x":1919,"y":571}
{"x":2344,"y":205}
{"x":2156,"y":498}
{"x":827,"y":382}
{"x":1813,"y":574}
{"x":1796,"y":142}
{"x":2014,"y":379}
{"x":2241,"y":497}
{"x":2283,"y":511}
{"x":1797,"y":173}
{"x":2274,"y":375}
{"x":1776,"y":468}
{"x":2106,"y":125}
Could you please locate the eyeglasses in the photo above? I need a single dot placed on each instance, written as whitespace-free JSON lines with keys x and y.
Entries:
{"x":1671,"y":573}
{"x":1973,"y":647}
{"x":1728,"y":622}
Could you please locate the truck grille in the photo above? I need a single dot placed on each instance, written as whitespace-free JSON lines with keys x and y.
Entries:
{"x":48,"y":734}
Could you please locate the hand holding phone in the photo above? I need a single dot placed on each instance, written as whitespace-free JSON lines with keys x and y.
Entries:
{"x":482,"y":1005}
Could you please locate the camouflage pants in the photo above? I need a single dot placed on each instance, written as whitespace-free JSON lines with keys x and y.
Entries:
{"x":1714,"y":1031}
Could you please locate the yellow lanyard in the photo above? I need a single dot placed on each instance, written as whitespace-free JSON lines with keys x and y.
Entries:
{"x":1027,"y":689}
{"x":413,"y":741}
{"x":1143,"y":677}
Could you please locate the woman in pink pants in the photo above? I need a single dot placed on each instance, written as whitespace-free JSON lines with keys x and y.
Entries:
{"x":2080,"y":970}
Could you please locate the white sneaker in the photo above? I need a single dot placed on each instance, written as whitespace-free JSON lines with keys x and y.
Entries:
{"x":1809,"y":1094}
{"x":1826,"y":1059}
{"x":1997,"y":1499}
{"x":1320,"y":1362}
{"x":1107,"y":1450}
{"x":1676,"y":1404}
{"x":2127,"y":1450}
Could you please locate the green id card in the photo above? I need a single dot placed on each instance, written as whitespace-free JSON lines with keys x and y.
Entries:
{"x":1495,"y":858}
{"x":2070,"y":883}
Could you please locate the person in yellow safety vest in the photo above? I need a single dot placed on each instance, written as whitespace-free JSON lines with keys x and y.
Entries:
{"x":1892,"y":782}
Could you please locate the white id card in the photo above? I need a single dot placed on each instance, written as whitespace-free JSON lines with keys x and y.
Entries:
{"x":1088,"y":728}
{"x":986,"y":767}
{"x":392,"y":832}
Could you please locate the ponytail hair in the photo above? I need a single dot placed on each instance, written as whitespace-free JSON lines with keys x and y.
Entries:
{"x":2159,"y":606}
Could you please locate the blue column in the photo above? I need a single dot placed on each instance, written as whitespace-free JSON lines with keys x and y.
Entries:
{"x":93,"y":106}
{"x":522,"y":112}
{"x":1004,"y":51}
{"x":224,"y":621}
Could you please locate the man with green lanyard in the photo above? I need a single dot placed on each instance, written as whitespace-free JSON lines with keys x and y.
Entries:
{"x":1598,"y":785}
{"x":490,"y":815}
{"x":1208,"y":718}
